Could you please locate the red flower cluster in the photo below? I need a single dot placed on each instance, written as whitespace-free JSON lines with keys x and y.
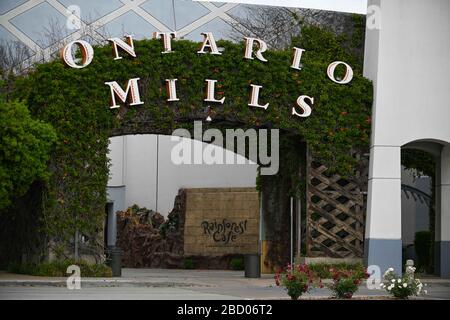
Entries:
{"x":277,"y":280}
{"x":366,"y":274}
{"x":297,"y":279}
{"x":345,"y":282}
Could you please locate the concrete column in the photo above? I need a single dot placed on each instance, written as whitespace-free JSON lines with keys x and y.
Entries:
{"x":443,"y":224}
{"x":383,"y":239}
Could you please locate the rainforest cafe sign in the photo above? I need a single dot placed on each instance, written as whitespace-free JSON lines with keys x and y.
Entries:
{"x":254,"y":48}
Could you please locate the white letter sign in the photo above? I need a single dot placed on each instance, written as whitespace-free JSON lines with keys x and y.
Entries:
{"x":348,"y":72}
{"x":249,"y":48}
{"x":131,"y":93}
{"x":297,"y":57}
{"x":172,"y":89}
{"x":128,"y":46}
{"x":166,"y":39}
{"x":209,"y":42}
{"x":304,"y":106}
{"x":87,"y":54}
{"x":254,"y":97}
{"x":210,"y":88}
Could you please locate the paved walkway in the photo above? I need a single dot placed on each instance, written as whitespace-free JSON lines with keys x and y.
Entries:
{"x":175,"y":284}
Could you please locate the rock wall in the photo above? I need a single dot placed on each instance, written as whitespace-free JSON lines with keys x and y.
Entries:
{"x":149,"y":240}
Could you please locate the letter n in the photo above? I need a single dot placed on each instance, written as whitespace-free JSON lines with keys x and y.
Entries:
{"x":130,"y":95}
{"x":128,"y":46}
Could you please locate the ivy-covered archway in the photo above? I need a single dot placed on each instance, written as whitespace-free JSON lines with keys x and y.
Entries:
{"x":75,"y":102}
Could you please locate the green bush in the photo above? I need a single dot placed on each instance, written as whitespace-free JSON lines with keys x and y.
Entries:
{"x":345,"y":283}
{"x":423,"y":246}
{"x":344,"y":288}
{"x":59,"y":268}
{"x":188,"y":263}
{"x":325,"y":270}
{"x":237,"y":264}
{"x":25,"y":145}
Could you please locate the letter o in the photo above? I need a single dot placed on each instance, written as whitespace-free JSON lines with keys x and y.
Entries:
{"x":87,"y":54}
{"x":348,"y":72}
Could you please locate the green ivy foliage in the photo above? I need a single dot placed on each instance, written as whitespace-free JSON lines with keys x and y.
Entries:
{"x":326,"y":46}
{"x":25,"y":145}
{"x":75,"y":102}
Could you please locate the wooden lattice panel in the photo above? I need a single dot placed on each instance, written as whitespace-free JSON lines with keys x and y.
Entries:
{"x":335,"y":214}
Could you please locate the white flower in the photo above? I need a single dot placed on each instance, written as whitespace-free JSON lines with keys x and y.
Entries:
{"x":399,"y":280}
{"x":388,"y":271}
{"x":405,"y":285}
{"x":393,"y":280}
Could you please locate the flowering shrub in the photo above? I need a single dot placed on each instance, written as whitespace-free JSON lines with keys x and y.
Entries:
{"x":297,"y":280}
{"x":402,"y":287}
{"x":345,"y":283}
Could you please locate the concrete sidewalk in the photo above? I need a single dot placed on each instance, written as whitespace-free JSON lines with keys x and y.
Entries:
{"x":147,"y":278}
{"x":176,"y":284}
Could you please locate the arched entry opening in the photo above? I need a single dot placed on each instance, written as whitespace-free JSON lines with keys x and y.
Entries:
{"x":425,"y":208}
{"x":144,"y":173}
{"x":418,"y":204}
